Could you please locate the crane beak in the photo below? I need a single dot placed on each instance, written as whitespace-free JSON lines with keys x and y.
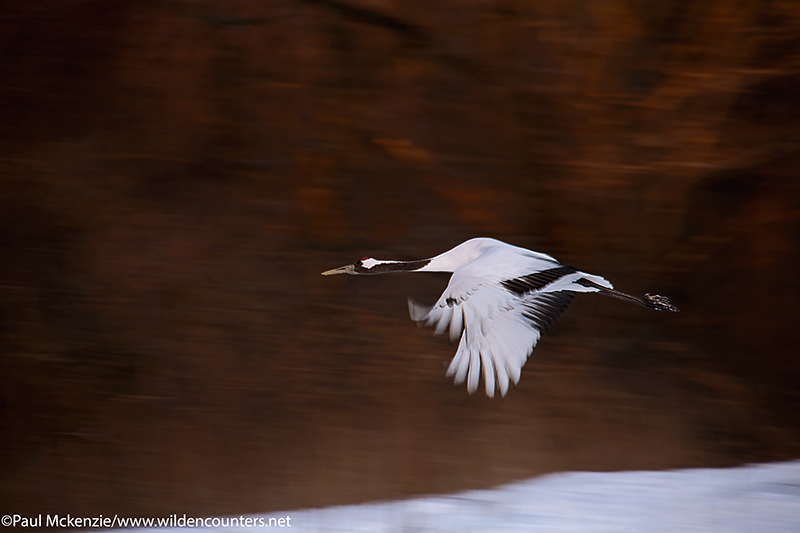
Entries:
{"x":348,"y":269}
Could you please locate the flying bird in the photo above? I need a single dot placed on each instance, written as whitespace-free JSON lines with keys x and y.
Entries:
{"x":499,"y":301}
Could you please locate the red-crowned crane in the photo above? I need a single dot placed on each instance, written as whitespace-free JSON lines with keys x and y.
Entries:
{"x":499,"y":301}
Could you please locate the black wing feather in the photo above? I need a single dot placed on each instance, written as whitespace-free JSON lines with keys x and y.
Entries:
{"x":537,"y":280}
{"x":544,"y":309}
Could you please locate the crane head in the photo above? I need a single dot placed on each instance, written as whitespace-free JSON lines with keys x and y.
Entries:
{"x":369,"y":265}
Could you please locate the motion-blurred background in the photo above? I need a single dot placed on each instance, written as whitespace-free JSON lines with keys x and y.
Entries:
{"x":174,"y":176}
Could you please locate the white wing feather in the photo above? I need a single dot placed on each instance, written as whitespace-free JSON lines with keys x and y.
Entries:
{"x":500,"y":328}
{"x":500,"y":331}
{"x":497,"y":339}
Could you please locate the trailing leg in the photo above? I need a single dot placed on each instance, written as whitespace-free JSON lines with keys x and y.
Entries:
{"x":651,"y":301}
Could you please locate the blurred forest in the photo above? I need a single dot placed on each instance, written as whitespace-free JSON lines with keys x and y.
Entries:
{"x":174,"y":176}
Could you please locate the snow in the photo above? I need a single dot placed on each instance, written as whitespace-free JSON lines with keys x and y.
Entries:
{"x":750,"y":499}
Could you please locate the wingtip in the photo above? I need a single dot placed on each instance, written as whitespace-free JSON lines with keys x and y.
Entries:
{"x":417,"y":311}
{"x":503,"y":386}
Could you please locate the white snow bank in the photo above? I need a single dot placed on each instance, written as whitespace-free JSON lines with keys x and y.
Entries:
{"x":752,"y":499}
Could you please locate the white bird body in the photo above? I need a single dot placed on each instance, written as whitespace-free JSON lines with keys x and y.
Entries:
{"x":499,"y":301}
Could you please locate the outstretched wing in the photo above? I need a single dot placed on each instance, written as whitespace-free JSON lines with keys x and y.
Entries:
{"x":499,"y":324}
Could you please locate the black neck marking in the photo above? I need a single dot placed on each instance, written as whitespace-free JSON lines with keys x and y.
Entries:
{"x":534,"y":282}
{"x":395,"y":266}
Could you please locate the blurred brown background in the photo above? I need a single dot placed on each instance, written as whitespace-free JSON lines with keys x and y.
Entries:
{"x":176,"y":174}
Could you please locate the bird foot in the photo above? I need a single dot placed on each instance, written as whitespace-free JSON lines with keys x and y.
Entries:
{"x":658,"y":302}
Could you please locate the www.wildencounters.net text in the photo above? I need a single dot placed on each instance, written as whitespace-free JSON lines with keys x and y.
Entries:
{"x":175,"y":520}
